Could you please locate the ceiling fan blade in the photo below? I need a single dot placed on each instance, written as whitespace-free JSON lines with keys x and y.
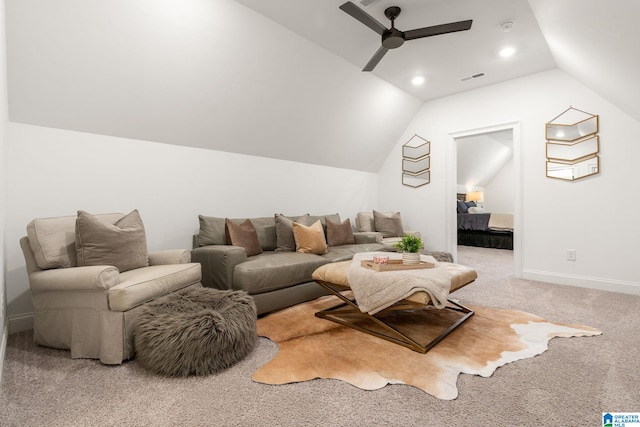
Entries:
{"x":438,"y":29}
{"x":363,"y":17}
{"x":375,"y":59}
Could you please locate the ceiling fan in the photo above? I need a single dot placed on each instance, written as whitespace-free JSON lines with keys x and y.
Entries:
{"x":393,"y":38}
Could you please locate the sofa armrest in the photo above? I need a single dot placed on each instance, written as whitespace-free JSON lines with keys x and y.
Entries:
{"x":94,"y":278}
{"x":171,"y":256}
{"x":218,"y":262}
{"x":367,"y":237}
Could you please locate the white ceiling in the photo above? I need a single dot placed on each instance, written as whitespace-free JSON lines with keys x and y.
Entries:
{"x":443,"y":60}
{"x":282,"y":78}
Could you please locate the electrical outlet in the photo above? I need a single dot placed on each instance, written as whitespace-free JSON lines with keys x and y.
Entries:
{"x":571,"y":254}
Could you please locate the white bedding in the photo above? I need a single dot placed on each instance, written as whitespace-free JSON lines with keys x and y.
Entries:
{"x":501,"y":222}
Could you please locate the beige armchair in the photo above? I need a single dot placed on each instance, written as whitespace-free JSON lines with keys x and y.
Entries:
{"x":92,"y":309}
{"x":387,"y":226}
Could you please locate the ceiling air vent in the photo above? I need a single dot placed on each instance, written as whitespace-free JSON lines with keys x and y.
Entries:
{"x":475,"y":76}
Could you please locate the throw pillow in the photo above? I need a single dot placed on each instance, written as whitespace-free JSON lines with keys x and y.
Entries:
{"x":243,"y":235}
{"x":340,"y":233}
{"x":212,"y":230}
{"x":323,"y":220}
{"x":122,"y":245}
{"x":364,"y":222}
{"x":310,"y":240}
{"x":388,"y":225}
{"x":462,"y":207}
{"x":285,"y":241}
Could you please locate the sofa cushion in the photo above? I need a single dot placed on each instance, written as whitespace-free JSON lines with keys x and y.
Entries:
{"x":284,"y":231}
{"x":339,"y":233}
{"x":323,"y":220}
{"x":275,"y":270}
{"x":310,"y":239}
{"x":145,"y":284}
{"x":211,"y":231}
{"x":122,"y":244}
{"x":364,"y":222}
{"x":243,"y":235}
{"x":266,"y":230}
{"x":53,"y":240}
{"x":388,"y":225}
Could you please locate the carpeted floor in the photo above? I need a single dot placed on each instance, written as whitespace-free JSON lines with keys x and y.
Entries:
{"x":571,"y":384}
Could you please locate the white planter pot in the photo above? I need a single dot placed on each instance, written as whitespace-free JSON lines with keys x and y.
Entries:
{"x":410,"y":258}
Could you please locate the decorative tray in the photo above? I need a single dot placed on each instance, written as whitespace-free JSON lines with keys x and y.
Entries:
{"x":395,"y":265}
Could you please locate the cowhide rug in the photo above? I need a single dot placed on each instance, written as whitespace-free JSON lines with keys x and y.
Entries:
{"x":311,"y":347}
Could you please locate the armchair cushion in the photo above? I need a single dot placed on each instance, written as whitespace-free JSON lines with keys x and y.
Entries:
{"x":122,"y":245}
{"x":170,"y":256}
{"x":145,"y":284}
{"x":52,"y":240}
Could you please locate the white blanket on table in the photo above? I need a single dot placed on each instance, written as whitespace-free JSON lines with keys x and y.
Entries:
{"x":374,"y":291}
{"x":501,"y":222}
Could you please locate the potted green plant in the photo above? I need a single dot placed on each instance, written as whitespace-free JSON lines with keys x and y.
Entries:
{"x":410,"y":246}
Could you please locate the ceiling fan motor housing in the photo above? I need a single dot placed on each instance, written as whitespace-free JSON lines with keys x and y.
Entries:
{"x":392,"y":38}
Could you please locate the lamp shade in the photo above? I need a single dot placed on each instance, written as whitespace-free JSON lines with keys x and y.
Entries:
{"x":475,"y":196}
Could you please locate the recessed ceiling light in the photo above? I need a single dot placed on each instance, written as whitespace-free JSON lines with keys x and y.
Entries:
{"x":507,"y":52}
{"x":417,"y":80}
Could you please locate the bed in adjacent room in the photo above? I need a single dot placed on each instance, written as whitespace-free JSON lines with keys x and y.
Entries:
{"x":483,"y":229}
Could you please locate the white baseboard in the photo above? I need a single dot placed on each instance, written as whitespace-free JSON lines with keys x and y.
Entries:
{"x":22,"y":322}
{"x":620,"y":286}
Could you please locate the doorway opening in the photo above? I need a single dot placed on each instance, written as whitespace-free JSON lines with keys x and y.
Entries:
{"x":485,"y":164}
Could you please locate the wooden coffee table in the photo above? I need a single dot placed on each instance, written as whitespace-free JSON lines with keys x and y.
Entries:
{"x":333,"y":278}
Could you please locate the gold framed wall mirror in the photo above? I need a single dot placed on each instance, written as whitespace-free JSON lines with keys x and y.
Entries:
{"x":573,"y":145}
{"x":416,"y":162}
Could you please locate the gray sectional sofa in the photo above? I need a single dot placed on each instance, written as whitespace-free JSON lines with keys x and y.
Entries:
{"x":279,"y":276}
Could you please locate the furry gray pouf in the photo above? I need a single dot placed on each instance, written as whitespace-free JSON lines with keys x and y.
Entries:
{"x":196,"y":332}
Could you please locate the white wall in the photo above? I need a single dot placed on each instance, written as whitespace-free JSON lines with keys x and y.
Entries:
{"x":55,"y":172}
{"x":4,"y":121}
{"x":499,"y":193}
{"x":595,"y":216}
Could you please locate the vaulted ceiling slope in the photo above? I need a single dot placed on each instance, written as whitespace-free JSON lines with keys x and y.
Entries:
{"x":596,"y":42}
{"x":201,"y":73}
{"x":282,"y":78}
